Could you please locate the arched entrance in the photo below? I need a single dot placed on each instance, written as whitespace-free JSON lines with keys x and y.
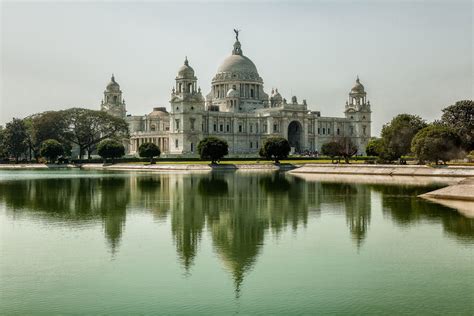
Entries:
{"x":295,"y":133}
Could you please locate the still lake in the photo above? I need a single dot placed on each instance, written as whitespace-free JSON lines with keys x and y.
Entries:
{"x":88,"y":242}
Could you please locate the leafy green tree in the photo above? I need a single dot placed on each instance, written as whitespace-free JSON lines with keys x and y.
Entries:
{"x":397,"y":135}
{"x":15,"y":138}
{"x":51,"y":149}
{"x":460,"y":118}
{"x":149,"y":150}
{"x":86,"y":128}
{"x":331,"y":149}
{"x":436,"y":143}
{"x":110,"y":148}
{"x":374,"y":147}
{"x":47,"y":125}
{"x":3,"y":147}
{"x":275,"y":148}
{"x":213,"y":148}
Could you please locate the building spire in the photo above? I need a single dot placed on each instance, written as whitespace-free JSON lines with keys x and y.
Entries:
{"x":113,"y":78}
{"x":186,"y":61}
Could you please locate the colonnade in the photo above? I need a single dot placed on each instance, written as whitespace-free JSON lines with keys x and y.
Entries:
{"x":161,"y":142}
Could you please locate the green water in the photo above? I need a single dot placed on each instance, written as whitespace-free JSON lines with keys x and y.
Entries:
{"x":227,"y":243}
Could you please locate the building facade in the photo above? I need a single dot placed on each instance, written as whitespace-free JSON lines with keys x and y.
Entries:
{"x":238,"y":110}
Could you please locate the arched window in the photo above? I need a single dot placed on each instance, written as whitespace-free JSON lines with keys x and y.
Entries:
{"x":192,"y":147}
{"x":251,"y":93}
{"x":176,"y":143}
{"x":153,"y":127}
{"x":115,"y":99}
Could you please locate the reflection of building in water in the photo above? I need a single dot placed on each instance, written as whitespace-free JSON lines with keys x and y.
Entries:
{"x":238,"y":210}
{"x":358,"y":211}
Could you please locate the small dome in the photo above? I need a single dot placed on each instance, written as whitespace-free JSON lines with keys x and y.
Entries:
{"x":159,"y":111}
{"x":232,"y":93}
{"x":358,"y":87}
{"x":186,"y":71}
{"x":113,"y":85}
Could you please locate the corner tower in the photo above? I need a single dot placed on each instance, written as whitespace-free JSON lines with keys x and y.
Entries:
{"x":358,"y":113}
{"x":113,"y":103}
{"x":187,"y":106}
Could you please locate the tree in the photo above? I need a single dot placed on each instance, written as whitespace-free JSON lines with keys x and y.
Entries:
{"x":51,"y":149}
{"x":15,"y":138}
{"x":460,"y":118}
{"x":436,"y":143}
{"x":47,"y":125}
{"x":331,"y":149}
{"x":3,"y":147}
{"x":398,"y":134}
{"x":343,"y":147}
{"x":374,"y":147}
{"x":347,"y":148}
{"x":149,"y":150}
{"x":213,"y":148}
{"x":275,"y":148}
{"x":86,"y":128}
{"x":110,"y":148}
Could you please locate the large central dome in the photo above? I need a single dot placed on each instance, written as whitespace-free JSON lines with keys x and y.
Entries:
{"x":237,"y":64}
{"x":237,"y":67}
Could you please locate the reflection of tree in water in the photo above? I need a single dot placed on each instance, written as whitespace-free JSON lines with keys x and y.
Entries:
{"x":187,"y":218}
{"x":71,"y":201}
{"x":151,"y":191}
{"x":356,"y":204}
{"x":405,"y":208}
{"x":113,"y":196}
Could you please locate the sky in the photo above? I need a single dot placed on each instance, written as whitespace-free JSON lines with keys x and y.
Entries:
{"x":412,"y":56}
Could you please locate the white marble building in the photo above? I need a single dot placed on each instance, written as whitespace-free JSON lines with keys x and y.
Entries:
{"x":238,"y":110}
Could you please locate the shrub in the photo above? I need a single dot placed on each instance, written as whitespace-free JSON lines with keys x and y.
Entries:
{"x":51,"y":149}
{"x":109,"y":148}
{"x":275,"y":148}
{"x":149,"y":150}
{"x":331,"y":149}
{"x":213,"y":148}
{"x":374,"y":147}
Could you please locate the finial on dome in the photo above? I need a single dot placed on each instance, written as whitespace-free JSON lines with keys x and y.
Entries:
{"x":113,"y":78}
{"x":357,"y":80}
{"x":236,"y":31}
{"x":237,"y":48}
{"x":186,"y":61}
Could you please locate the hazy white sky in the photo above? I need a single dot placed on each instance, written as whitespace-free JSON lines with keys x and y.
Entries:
{"x":412,"y":56}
